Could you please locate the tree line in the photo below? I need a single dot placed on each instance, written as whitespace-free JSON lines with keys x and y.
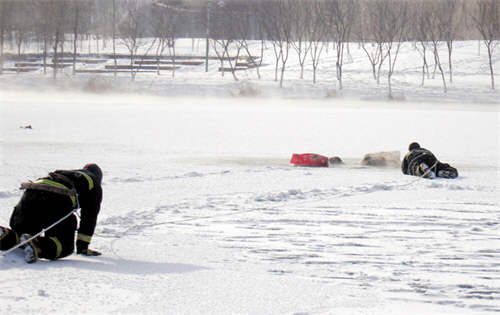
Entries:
{"x":303,"y":27}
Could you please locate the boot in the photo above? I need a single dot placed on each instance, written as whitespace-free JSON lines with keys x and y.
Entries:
{"x":447,"y":174}
{"x":8,"y":238}
{"x":31,"y":249}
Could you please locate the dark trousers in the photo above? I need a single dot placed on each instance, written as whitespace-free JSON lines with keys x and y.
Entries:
{"x":38,"y":210}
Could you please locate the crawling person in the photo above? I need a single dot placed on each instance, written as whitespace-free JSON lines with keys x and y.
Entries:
{"x":49,"y":199}
{"x":421,"y":162}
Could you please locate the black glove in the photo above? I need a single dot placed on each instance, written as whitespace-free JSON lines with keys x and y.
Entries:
{"x":89,"y":252}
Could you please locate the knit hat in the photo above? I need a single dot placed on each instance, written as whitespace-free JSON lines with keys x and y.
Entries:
{"x":413,"y":146}
{"x":95,"y":170}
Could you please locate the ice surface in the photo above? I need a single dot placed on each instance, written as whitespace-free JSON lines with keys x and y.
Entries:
{"x":203,"y":214}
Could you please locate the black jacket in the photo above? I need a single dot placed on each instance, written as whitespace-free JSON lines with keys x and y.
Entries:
{"x":39,"y":207}
{"x":51,"y":198}
{"x":413,"y":159}
{"x":89,"y":191}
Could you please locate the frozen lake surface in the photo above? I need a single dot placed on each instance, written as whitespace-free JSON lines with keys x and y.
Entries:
{"x":203,"y":214}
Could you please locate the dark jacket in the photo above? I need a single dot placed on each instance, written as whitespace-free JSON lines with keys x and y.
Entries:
{"x":37,"y":209}
{"x":89,"y":198}
{"x":415,"y":157}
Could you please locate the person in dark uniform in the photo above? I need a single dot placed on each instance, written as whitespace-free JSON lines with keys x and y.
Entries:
{"x":48,"y":200}
{"x":421,"y":162}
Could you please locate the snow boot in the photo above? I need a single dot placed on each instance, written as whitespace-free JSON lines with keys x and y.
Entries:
{"x":31,"y":249}
{"x":447,"y":174}
{"x":8,"y":238}
{"x":424,"y":171}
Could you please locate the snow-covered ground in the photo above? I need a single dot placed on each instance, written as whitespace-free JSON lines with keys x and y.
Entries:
{"x":470,"y":81}
{"x":203,"y":214}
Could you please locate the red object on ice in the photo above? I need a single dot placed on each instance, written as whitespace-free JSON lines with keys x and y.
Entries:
{"x":309,"y":159}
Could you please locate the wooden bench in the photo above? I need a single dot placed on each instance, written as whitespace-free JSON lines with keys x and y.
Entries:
{"x":23,"y":69}
{"x":164,"y":62}
{"x":128,"y":67}
{"x":78,"y":60}
{"x":228,"y":69}
{"x":35,"y":64}
{"x":101,"y":71}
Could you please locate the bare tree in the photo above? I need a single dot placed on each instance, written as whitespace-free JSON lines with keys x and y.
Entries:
{"x":420,"y":33}
{"x":450,"y":27}
{"x":435,"y":23}
{"x":80,"y":21}
{"x":389,"y":18}
{"x":373,"y":35}
{"x":486,"y":19}
{"x":55,"y":14}
{"x":285,"y":31}
{"x":277,"y":25}
{"x":301,"y":17}
{"x":230,"y":35}
{"x":21,"y":23}
{"x":254,"y":59}
{"x":398,"y":25}
{"x":436,"y":37}
{"x":5,"y":9}
{"x":164,"y":22}
{"x":221,"y":39}
{"x":131,"y":31}
{"x":255,"y":8}
{"x":269,"y":17}
{"x":76,"y":30}
{"x":241,"y":26}
{"x":42,"y":25}
{"x":343,"y":13}
{"x":317,"y":35}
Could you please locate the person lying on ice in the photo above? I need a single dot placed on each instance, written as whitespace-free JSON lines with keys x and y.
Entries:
{"x":312,"y":159}
{"x":421,"y":162}
{"x":48,"y":200}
